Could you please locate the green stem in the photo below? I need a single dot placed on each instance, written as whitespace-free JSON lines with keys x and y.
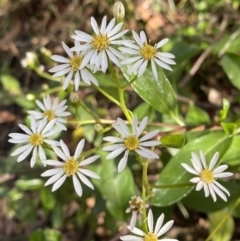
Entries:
{"x":129,"y":83}
{"x":123,"y":105}
{"x":45,"y":75}
{"x":81,"y":104}
{"x":178,"y":121}
{"x":144,"y":184}
{"x":223,"y":220}
{"x":172,"y":185}
{"x":107,"y":95}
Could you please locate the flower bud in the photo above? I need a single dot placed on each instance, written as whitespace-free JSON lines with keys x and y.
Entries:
{"x":98,"y":127}
{"x":118,"y":11}
{"x":29,"y":61}
{"x":74,"y":98}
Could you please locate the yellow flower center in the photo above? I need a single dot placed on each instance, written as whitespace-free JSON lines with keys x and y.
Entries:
{"x":100,"y":42}
{"x":131,"y":142}
{"x":36,"y":139}
{"x":207,"y":176}
{"x":75,"y":62}
{"x":150,"y":237}
{"x":70,"y":167}
{"x":49,"y":114}
{"x":147,"y":51}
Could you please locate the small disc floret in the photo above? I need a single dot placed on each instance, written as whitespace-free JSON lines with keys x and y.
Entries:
{"x":70,"y":167}
{"x":75,"y":62}
{"x":100,"y":42}
{"x":207,"y":176}
{"x":131,"y":142}
{"x":147,"y":51}
{"x":36,"y":139}
{"x":150,"y":237}
{"x":50,"y":114}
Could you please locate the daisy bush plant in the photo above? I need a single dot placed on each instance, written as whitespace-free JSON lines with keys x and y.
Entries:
{"x":115,"y":144}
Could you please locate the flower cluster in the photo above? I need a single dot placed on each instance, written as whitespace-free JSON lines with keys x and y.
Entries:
{"x":92,"y":53}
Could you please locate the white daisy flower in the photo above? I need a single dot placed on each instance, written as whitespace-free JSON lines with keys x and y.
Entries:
{"x":51,"y":111}
{"x":99,"y":46}
{"x":145,"y":53}
{"x":34,"y":139}
{"x":136,"y":205}
{"x":72,"y":166}
{"x":207,"y":175}
{"x":72,"y":66}
{"x":130,"y":141}
{"x":151,"y":235}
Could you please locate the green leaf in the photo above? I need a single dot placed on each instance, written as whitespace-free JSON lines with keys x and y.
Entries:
{"x":175,"y":141}
{"x":26,"y":185}
{"x":37,"y":235}
{"x":158,"y":93}
{"x":196,"y":200}
{"x":228,"y":127}
{"x":224,"y":112}
{"x":231,"y":66}
{"x":197,"y":116}
{"x":47,"y":198}
{"x":120,"y":184}
{"x":45,"y":235}
{"x":11,"y":84}
{"x":225,"y":232}
{"x":232,"y":156}
{"x":174,"y":173}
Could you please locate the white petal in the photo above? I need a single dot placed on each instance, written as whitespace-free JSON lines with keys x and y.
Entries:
{"x":220,"y":169}
{"x":213,"y":160}
{"x":142,"y":126}
{"x":110,"y":26}
{"x":89,"y":160}
{"x":165,"y":55}
{"x":53,"y":163}
{"x":159,"y":224}
{"x":65,"y":149}
{"x":142,"y":68}
{"x":26,"y":129}
{"x":60,"y":153}
{"x":20,"y":150}
{"x":67,"y":80}
{"x":77,"y":80}
{"x":150,"y":220}
{"x":34,"y":157}
{"x":48,"y":127}
{"x":149,"y":135}
{"x":162,"y":42}
{"x":77,"y":185}
{"x":223,"y":174}
{"x":85,"y":180}
{"x":89,"y":173}
{"x":115,"y":30}
{"x":62,"y":72}
{"x":19,"y":136}
{"x":146,"y":153}
{"x":138,"y":231}
{"x":94,"y":25}
{"x":59,"y":183}
{"x":189,"y":168}
{"x":150,"y":143}
{"x":165,"y":228}
{"x":195,"y":180}
{"x":206,"y":189}
{"x":113,"y":139}
{"x":115,"y":153}
{"x":131,"y":238}
{"x":219,"y":192}
{"x":199,"y":185}
{"x":168,"y":61}
{"x":123,"y":161}
{"x":136,"y":66}
{"x":133,"y":221}
{"x":212,"y":192}
{"x":59,"y":59}
{"x":58,"y":68}
{"x":135,"y":125}
{"x":143,"y":37}
{"x":203,"y":159}
{"x":137,"y":38}
{"x":54,"y":178}
{"x":113,"y":147}
{"x":79,"y":149}
{"x":51,"y":172}
{"x":25,"y":153}
{"x":123,"y":126}
{"x":154,"y":69}
{"x":130,"y":60}
{"x":162,"y":64}
{"x":103,"y":25}
{"x":222,"y":187}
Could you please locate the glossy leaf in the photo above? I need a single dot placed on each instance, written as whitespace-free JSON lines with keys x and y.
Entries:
{"x":10,"y":83}
{"x":174,"y":173}
{"x":175,"y":141}
{"x":196,"y":200}
{"x":231,"y":66}
{"x":120,"y":184}
{"x":225,"y":232}
{"x":228,"y":127}
{"x":158,"y":93}
{"x":196,"y":115}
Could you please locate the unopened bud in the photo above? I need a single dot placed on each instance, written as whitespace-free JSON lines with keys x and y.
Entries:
{"x":98,"y":127}
{"x":29,"y":61}
{"x":74,"y":98}
{"x":118,"y":11}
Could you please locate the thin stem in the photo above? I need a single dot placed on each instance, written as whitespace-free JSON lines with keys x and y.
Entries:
{"x":144,"y":184}
{"x":45,"y":75}
{"x":129,"y":83}
{"x":172,"y":185}
{"x":89,"y":111}
{"x":107,"y":95}
{"x":123,"y":105}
